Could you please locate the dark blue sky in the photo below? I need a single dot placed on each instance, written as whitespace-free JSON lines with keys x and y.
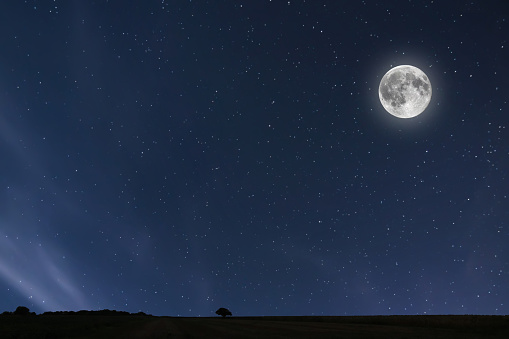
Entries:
{"x":174,"y":157}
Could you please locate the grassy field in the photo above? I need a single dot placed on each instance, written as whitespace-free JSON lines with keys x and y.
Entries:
{"x":132,"y":326}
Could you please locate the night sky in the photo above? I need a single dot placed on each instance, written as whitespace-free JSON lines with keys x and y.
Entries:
{"x":174,"y":157}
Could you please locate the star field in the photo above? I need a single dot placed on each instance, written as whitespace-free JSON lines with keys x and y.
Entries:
{"x":174,"y":157}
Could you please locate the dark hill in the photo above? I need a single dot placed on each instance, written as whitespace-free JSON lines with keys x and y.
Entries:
{"x":113,"y":324}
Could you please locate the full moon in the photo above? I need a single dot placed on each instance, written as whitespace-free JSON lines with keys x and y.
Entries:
{"x":405,"y":91}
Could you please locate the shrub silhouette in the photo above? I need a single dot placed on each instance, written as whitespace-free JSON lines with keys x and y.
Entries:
{"x":22,"y":310}
{"x":223,"y":312}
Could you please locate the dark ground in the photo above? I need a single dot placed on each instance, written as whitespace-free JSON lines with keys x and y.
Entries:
{"x":131,"y":326}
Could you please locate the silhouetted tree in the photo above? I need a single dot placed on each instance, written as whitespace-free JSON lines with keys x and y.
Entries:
{"x":223,"y":312}
{"x":22,"y":310}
